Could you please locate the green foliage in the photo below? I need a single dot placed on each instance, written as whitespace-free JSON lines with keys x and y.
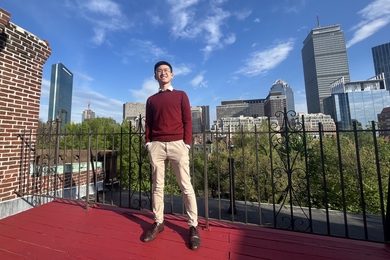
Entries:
{"x":104,"y":134}
{"x":290,"y":167}
{"x":269,"y":166}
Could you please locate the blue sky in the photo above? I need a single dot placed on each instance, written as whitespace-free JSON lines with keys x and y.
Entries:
{"x":220,"y":49}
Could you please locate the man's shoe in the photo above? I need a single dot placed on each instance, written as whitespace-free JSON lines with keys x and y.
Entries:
{"x":153,"y":232}
{"x":194,"y":238}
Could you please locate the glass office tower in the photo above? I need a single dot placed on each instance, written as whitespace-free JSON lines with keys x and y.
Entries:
{"x":61,"y":88}
{"x":359,"y":101}
{"x":381,"y":57}
{"x":324,"y":57}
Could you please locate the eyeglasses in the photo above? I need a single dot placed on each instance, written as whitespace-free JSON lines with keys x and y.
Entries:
{"x":159,"y":71}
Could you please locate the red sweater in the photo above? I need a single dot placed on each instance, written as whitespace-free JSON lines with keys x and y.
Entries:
{"x":168,"y":117}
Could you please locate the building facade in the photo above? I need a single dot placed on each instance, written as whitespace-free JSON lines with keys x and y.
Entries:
{"x":132,"y":110}
{"x":384,"y":122}
{"x":358,"y":101}
{"x":61,"y":89}
{"x":236,"y":108}
{"x":381,"y":57}
{"x":256,"y":107}
{"x":312,"y":124}
{"x":234,"y":124}
{"x":280,"y":97}
{"x":232,"y":110}
{"x":206,"y":117}
{"x":324,"y":58}
{"x":197,"y":119}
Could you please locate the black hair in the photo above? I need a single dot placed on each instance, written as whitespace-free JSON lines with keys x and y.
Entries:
{"x":162,"y":63}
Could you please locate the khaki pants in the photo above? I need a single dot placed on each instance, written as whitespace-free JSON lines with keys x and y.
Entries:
{"x":177,"y":153}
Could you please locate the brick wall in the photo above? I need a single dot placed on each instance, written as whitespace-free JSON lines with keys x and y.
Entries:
{"x":22,"y":57}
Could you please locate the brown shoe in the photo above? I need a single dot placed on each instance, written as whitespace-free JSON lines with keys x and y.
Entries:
{"x":194,"y":238}
{"x":153,"y":232}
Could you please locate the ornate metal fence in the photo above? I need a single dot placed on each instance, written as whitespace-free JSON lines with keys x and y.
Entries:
{"x":332,"y":182}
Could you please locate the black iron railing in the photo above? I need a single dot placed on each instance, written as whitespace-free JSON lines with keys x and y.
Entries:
{"x":332,"y":182}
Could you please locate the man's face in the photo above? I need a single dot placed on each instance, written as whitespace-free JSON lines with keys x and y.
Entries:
{"x":163,"y":74}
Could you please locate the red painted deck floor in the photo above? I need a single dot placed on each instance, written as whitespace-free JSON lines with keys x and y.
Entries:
{"x":64,"y":230}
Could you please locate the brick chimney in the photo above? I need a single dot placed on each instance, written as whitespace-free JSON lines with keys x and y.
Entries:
{"x":22,"y":57}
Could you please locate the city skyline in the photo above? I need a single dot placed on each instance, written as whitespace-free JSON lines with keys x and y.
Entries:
{"x":220,"y":50}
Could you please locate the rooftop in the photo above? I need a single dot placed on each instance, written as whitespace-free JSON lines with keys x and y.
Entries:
{"x":65,"y":230}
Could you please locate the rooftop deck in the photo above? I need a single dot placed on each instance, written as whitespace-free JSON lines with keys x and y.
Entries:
{"x":65,"y":230}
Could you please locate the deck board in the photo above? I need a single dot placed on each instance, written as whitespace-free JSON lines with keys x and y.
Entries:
{"x":65,"y":230}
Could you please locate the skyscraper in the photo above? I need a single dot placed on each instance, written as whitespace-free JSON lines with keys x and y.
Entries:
{"x":61,"y":88}
{"x":359,"y":101}
{"x":324,"y":58}
{"x":381,"y":57}
{"x":280,"y":96}
{"x":206,"y":117}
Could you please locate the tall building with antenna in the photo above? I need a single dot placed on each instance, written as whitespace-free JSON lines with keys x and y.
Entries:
{"x":324,"y":58}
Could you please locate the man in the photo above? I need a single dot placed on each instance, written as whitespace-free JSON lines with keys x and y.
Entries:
{"x":168,"y":136}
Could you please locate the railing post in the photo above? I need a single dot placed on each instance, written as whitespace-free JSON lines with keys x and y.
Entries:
{"x":206,"y":184}
{"x":87,"y":175}
{"x":387,"y":223}
{"x":232,"y":207}
{"x":56,"y":154}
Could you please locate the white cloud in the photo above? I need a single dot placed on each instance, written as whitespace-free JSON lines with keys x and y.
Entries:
{"x":100,"y":104}
{"x":154,"y":18}
{"x":260,"y":62}
{"x":244,"y":96}
{"x":206,"y":27}
{"x":198,"y":81}
{"x":296,"y":8}
{"x":374,"y":17}
{"x":182,"y":14}
{"x":149,"y":87}
{"x":301,"y":107}
{"x":105,"y":16}
{"x":146,"y":50}
{"x":230,"y":39}
{"x":257,"y":20}
{"x":241,"y":15}
{"x":45,"y":94}
{"x":45,"y":88}
{"x":83,"y":76}
{"x":103,"y":7}
{"x":233,"y":80}
{"x":181,"y":69}
{"x":43,"y":112}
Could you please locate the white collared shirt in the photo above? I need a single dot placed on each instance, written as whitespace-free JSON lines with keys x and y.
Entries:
{"x":170,"y":88}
